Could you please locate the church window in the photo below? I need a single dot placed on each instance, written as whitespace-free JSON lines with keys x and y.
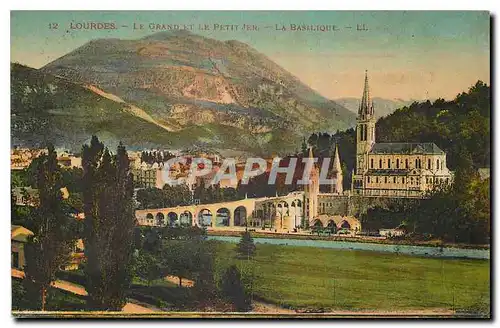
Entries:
{"x":406,"y":162}
{"x":371,"y":163}
{"x":389,"y":163}
{"x":429,"y":163}
{"x":380,"y":163}
{"x":437,"y":164}
{"x":397,"y":163}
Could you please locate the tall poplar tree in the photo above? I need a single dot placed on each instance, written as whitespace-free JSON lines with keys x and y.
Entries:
{"x":109,"y":225}
{"x":53,"y":238}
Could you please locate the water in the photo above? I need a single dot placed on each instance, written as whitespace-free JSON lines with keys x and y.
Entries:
{"x":449,"y":252}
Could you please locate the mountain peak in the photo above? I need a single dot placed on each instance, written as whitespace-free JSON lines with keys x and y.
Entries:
{"x":165,"y":35}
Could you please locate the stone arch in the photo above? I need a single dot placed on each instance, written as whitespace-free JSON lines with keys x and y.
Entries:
{"x":240,"y":216}
{"x":149,"y":216}
{"x":160,"y":219}
{"x":317,"y":223}
{"x":205,"y":218}
{"x":222,"y":217}
{"x":186,"y":219}
{"x":332,"y":226}
{"x":345,"y":225}
{"x":173,"y":219}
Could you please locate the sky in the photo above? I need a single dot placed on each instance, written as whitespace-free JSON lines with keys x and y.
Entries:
{"x":408,"y":55}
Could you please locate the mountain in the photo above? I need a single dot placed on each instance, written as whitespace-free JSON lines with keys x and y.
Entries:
{"x":46,"y":108}
{"x":195,"y":91}
{"x":383,"y":107}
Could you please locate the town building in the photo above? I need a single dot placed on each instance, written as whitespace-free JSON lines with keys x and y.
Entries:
{"x":393,"y":169}
{"x":19,"y":237}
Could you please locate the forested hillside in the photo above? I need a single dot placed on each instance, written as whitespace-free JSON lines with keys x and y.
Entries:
{"x":460,"y":126}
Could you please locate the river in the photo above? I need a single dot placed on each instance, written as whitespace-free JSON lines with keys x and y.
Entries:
{"x":447,"y":252}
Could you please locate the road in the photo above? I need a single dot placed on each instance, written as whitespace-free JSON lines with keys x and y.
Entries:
{"x":79,"y":290}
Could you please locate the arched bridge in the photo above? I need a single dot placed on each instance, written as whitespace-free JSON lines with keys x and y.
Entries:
{"x":280,"y":212}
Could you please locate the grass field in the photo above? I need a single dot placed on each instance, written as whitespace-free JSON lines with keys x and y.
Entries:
{"x":306,"y":277}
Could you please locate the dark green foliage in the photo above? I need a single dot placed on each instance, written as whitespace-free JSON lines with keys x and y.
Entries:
{"x":109,"y":224}
{"x":146,"y":266}
{"x":151,"y":157}
{"x":459,"y":213}
{"x":234,"y":290}
{"x":462,"y":123}
{"x":19,"y":178}
{"x":54,"y":230}
{"x":216,"y":194}
{"x":57,"y":299}
{"x":246,"y":247}
{"x":169,"y":196}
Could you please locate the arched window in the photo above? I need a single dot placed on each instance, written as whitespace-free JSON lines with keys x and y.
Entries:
{"x":385,"y":180}
{"x":389,"y":163}
{"x":437,"y":164}
{"x":406,"y":163}
{"x":371,"y":163}
{"x":368,"y":179}
{"x":416,"y":163}
{"x":429,"y":163}
{"x":394,"y":179}
{"x":380,"y":163}
{"x":403,"y":179}
{"x":397,"y":163}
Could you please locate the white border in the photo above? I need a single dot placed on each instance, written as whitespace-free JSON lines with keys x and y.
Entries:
{"x":202,"y":5}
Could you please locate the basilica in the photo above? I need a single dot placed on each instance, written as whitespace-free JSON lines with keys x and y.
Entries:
{"x":393,"y":169}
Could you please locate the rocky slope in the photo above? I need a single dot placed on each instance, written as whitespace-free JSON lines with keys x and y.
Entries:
{"x":193,"y":90}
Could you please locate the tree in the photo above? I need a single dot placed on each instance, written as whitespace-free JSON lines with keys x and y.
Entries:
{"x":151,"y":198}
{"x":234,"y":289}
{"x":246,"y":247}
{"x":109,"y":225}
{"x":53,"y":238}
{"x":147,"y":267}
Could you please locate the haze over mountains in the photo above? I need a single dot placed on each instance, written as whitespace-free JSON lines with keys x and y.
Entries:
{"x":171,"y":90}
{"x":383,"y":107}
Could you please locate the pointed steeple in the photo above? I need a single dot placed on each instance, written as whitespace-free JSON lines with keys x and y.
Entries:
{"x":337,"y":186}
{"x":311,"y":152}
{"x":366,"y":105}
{"x":336,"y":160}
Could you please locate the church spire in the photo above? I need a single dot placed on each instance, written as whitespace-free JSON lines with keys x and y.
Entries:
{"x":311,"y":152}
{"x":336,"y":160}
{"x":366,"y":106}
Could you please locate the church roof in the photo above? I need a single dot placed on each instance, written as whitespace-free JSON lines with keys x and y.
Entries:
{"x":406,"y":148}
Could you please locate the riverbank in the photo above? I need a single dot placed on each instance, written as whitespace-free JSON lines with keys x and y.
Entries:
{"x":354,"y":239}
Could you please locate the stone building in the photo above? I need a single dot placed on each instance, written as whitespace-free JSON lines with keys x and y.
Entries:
{"x":393,"y":169}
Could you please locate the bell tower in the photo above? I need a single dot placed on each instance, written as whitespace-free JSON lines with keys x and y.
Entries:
{"x":365,"y":129}
{"x":365,"y":138}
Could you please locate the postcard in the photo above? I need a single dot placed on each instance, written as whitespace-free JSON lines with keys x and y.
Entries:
{"x":250,"y":164}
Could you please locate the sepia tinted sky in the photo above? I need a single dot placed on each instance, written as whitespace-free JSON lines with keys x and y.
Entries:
{"x":409,"y":55}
